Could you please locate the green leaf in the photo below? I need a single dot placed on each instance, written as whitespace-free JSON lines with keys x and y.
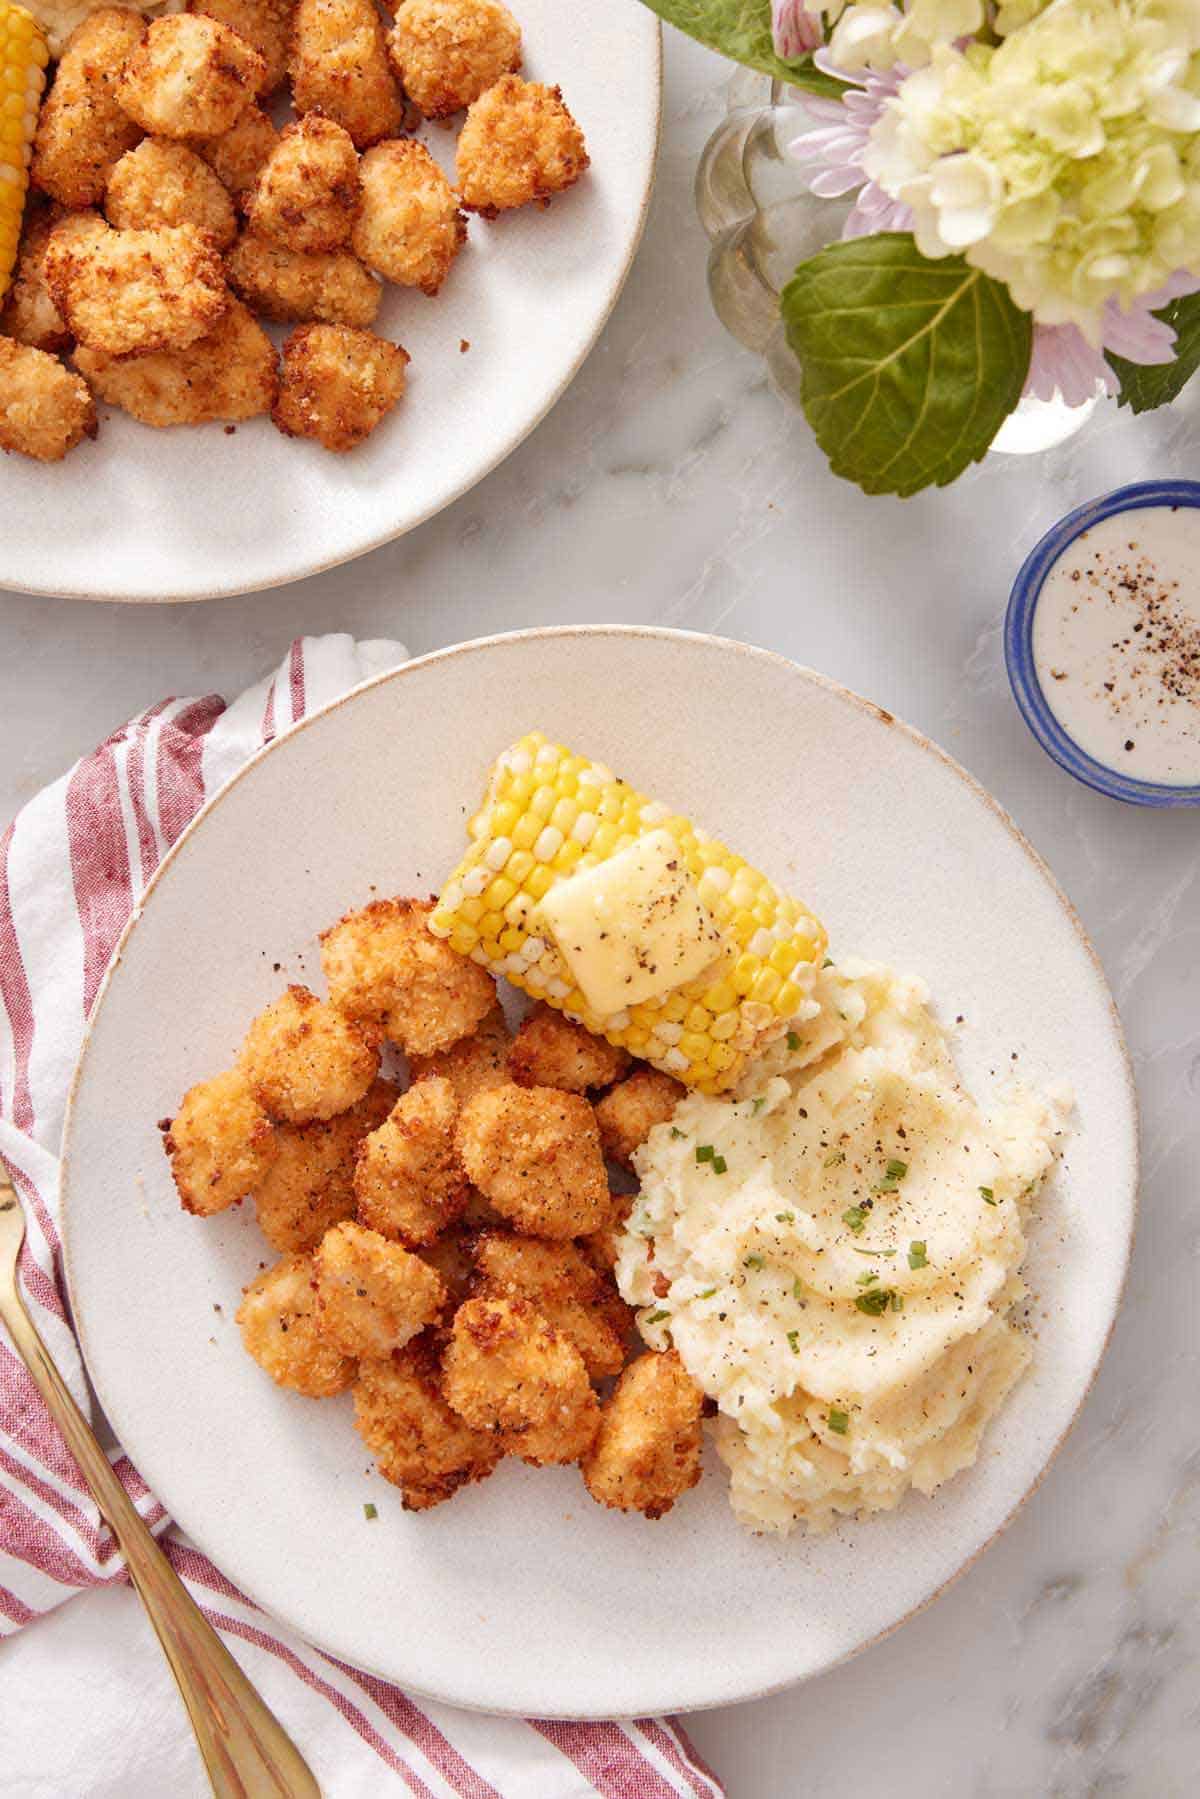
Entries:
{"x":1147,"y":385}
{"x":909,"y":366}
{"x":741,"y":29}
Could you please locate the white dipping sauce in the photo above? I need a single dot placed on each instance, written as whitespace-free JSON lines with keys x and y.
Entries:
{"x":1116,"y":643}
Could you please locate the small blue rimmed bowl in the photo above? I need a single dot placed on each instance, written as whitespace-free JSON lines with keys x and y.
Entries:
{"x":1018,"y":643}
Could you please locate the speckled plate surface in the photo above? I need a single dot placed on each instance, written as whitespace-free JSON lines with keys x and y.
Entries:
{"x":521,"y":1594}
{"x":190,"y":514}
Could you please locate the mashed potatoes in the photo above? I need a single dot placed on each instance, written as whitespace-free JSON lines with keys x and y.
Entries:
{"x":835,"y":1255}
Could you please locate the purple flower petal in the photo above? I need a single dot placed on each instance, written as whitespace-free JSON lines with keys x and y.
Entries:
{"x":795,"y":31}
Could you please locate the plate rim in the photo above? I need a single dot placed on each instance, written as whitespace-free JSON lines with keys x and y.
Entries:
{"x":883,"y":716}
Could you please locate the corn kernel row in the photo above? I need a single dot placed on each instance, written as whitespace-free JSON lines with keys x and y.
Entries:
{"x":23,"y":59}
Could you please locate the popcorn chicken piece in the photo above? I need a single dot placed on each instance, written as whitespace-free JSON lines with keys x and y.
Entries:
{"x":551,"y":1051}
{"x":282,"y":284}
{"x":535,"y":1154}
{"x":82,"y":131}
{"x":237,"y":157}
{"x":338,"y":384}
{"x":629,"y":1113}
{"x":45,"y":410}
{"x":310,"y":1185}
{"x":447,"y":52}
{"x":307,"y":195}
{"x":519,"y":145}
{"x":372,"y":1296}
{"x":339,"y":64}
{"x":647,"y":1451}
{"x":305,"y":1060}
{"x":162,"y":182}
{"x":220,"y":1143}
{"x":230,"y":375}
{"x":600,"y":1246}
{"x":409,"y":227}
{"x":385,"y":965}
{"x":29,"y":315}
{"x":566,"y":1288}
{"x":190,"y":77}
{"x":474,"y":1062}
{"x":128,"y":292}
{"x":266,"y":26}
{"x":506,"y":1368}
{"x":277,"y":1318}
{"x":420,"y":1445}
{"x":409,"y":1180}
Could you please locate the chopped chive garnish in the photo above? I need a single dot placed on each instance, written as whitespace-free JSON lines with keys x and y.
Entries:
{"x":707,"y":1293}
{"x":719,"y":1164}
{"x":793,"y":1040}
{"x":753,"y":1262}
{"x":989,"y":1196}
{"x":758,"y":1105}
{"x":916,"y":1254}
{"x":370,"y":1511}
{"x":868,"y":1279}
{"x":897,"y":1302}
{"x":838,"y":1422}
{"x":797,"y":1288}
{"x":872,"y":1252}
{"x":657,"y":1317}
{"x":785,"y":1218}
{"x":828,"y":962}
{"x":705,"y":1152}
{"x":834,"y":1158}
{"x":676,"y":1132}
{"x":793,"y":1338}
{"x":855,"y":1219}
{"x":875,"y":1302}
{"x":896,"y":1171}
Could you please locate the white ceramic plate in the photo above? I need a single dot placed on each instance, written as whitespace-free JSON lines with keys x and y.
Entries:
{"x":521,"y":1594}
{"x":193,"y":514}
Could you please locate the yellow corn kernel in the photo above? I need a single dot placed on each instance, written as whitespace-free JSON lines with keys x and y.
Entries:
{"x":23,"y":59}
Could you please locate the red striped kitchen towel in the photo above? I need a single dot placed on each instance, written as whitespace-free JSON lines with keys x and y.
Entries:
{"x":71,"y":868}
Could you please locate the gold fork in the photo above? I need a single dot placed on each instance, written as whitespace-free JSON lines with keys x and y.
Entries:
{"x":246,"y":1751}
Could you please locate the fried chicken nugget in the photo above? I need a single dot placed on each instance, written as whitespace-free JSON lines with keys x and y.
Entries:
{"x":307,"y":195}
{"x":229,"y":375}
{"x":220,"y":1143}
{"x":519,"y":145}
{"x":535,"y":1154}
{"x":190,"y":77}
{"x":305,"y":1060}
{"x":338,"y":384}
{"x":310,"y":1185}
{"x":409,"y":227}
{"x":567,"y":1289}
{"x":473,"y":1063}
{"x":278,"y":1322}
{"x":551,"y":1051}
{"x":409,"y":1180}
{"x":45,"y":410}
{"x":384,"y":964}
{"x":506,"y":1368}
{"x":420,"y":1445}
{"x":629,"y":1113}
{"x":82,"y":132}
{"x":266,"y":26}
{"x":162,"y":182}
{"x":237,"y":156}
{"x":372,"y":1296}
{"x":447,"y":52}
{"x":647,"y":1451}
{"x":339,"y":64}
{"x":600,"y":1246}
{"x":29,"y":315}
{"x":332,"y":289}
{"x":129,"y":292}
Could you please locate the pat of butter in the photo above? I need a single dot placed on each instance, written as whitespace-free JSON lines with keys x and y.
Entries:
{"x":633,"y":928}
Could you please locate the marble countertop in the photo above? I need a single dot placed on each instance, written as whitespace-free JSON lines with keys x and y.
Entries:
{"x":671,"y":486}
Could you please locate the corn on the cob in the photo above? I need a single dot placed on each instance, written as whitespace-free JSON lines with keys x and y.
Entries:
{"x":550,"y":815}
{"x":23,"y":59}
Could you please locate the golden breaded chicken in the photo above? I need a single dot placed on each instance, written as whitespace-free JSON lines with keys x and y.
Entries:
{"x":190,"y":77}
{"x":237,"y":156}
{"x":128,"y":292}
{"x":287,"y":285}
{"x":305,"y":1060}
{"x":409,"y":1179}
{"x":384,"y":964}
{"x":307,"y":195}
{"x":339,"y":64}
{"x":409,"y":226}
{"x":45,"y":410}
{"x":229,"y":375}
{"x":506,"y":1368}
{"x":567,"y":1289}
{"x":82,"y":132}
{"x":221,"y":1144}
{"x":266,"y":26}
{"x":447,"y":52}
{"x":29,"y":315}
{"x":162,"y":182}
{"x":600,"y":1246}
{"x":535,"y":1154}
{"x":372,"y":1296}
{"x":337,"y":384}
{"x":629,"y":1113}
{"x":279,"y":1329}
{"x":647,"y":1452}
{"x":310,"y":1185}
{"x":551,"y":1051}
{"x":420,"y":1445}
{"x":519,"y":145}
{"x":452,"y":1260}
{"x":473,"y":1063}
